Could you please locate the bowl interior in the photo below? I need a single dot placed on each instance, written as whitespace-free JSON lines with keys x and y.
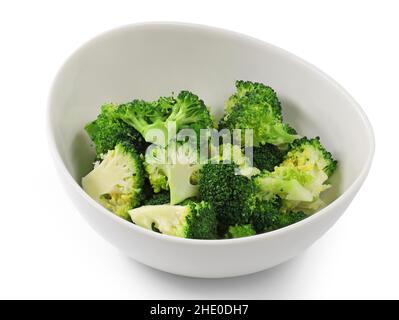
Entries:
{"x":150,"y":60}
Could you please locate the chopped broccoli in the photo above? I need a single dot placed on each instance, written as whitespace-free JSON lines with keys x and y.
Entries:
{"x":240,"y":231}
{"x":262,"y":92}
{"x":228,"y":193}
{"x":258,"y":110}
{"x":301,"y":177}
{"x":107,"y":130}
{"x":116,"y":182}
{"x":158,"y":198}
{"x":265,"y":214}
{"x":184,"y":111}
{"x":287,"y":218}
{"x":188,"y":220}
{"x":226,"y":184}
{"x":225,"y":196}
{"x":174,"y":169}
{"x":266,"y":157}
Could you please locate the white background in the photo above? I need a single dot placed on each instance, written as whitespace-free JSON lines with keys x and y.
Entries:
{"x":46,"y":248}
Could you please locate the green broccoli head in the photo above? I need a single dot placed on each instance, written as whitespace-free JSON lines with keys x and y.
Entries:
{"x":186,"y":111}
{"x":240,"y":231}
{"x":188,"y":220}
{"x":300,"y":178}
{"x":145,"y":116}
{"x":256,"y":107}
{"x":228,"y":192}
{"x":175,"y":169}
{"x":190,"y":112}
{"x":258,"y":90}
{"x":107,"y":130}
{"x":266,"y":157}
{"x":116,"y":181}
{"x":158,"y":198}
{"x":287,"y":218}
{"x":265,"y":213}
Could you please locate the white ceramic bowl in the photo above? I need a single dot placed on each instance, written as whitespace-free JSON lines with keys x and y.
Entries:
{"x":153,"y":59}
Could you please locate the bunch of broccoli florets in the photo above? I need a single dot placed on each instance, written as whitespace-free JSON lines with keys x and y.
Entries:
{"x":166,"y":186}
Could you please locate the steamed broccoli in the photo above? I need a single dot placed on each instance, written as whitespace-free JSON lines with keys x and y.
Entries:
{"x":240,"y":231}
{"x":228,"y":192}
{"x":173,"y":168}
{"x":266,"y":157}
{"x":116,"y":181}
{"x":265,"y":214}
{"x":222,"y":196}
{"x":107,"y":130}
{"x":301,"y":177}
{"x":262,"y":92}
{"x":158,"y":198}
{"x":188,"y":220}
{"x":185,"y":111}
{"x":287,"y":218}
{"x":259,"y":110}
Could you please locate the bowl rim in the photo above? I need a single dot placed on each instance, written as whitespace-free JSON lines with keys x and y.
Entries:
{"x":64,"y":173}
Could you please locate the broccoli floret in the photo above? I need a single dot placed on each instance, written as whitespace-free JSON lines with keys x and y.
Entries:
{"x":263,"y":93}
{"x":175,"y":169}
{"x":143,"y":115}
{"x":226,"y":183}
{"x":266,"y":157}
{"x":117,"y":181}
{"x":286,"y":218}
{"x":158,"y":198}
{"x":188,"y":220}
{"x":228,"y":192}
{"x":258,"y":110}
{"x":301,"y":177}
{"x":107,"y":130}
{"x":187,"y":110}
{"x":265,"y":214}
{"x":240,"y":231}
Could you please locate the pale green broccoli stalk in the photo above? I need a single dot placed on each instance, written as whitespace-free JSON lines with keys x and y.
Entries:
{"x":188,"y":220}
{"x":116,"y":181}
{"x":300,"y":178}
{"x":174,"y":168}
{"x":231,"y":153}
{"x":255,"y":106}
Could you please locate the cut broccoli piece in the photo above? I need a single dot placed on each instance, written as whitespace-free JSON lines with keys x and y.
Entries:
{"x":188,"y":220}
{"x":174,"y":169}
{"x":226,"y":183}
{"x":185,"y":111}
{"x":107,"y":130}
{"x":265,"y":214}
{"x":266,"y":157}
{"x":287,"y":218}
{"x":158,"y":198}
{"x":301,"y":177}
{"x":262,"y":92}
{"x":240,"y":231}
{"x":116,"y":182}
{"x":258,"y":110}
{"x":228,"y":192}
